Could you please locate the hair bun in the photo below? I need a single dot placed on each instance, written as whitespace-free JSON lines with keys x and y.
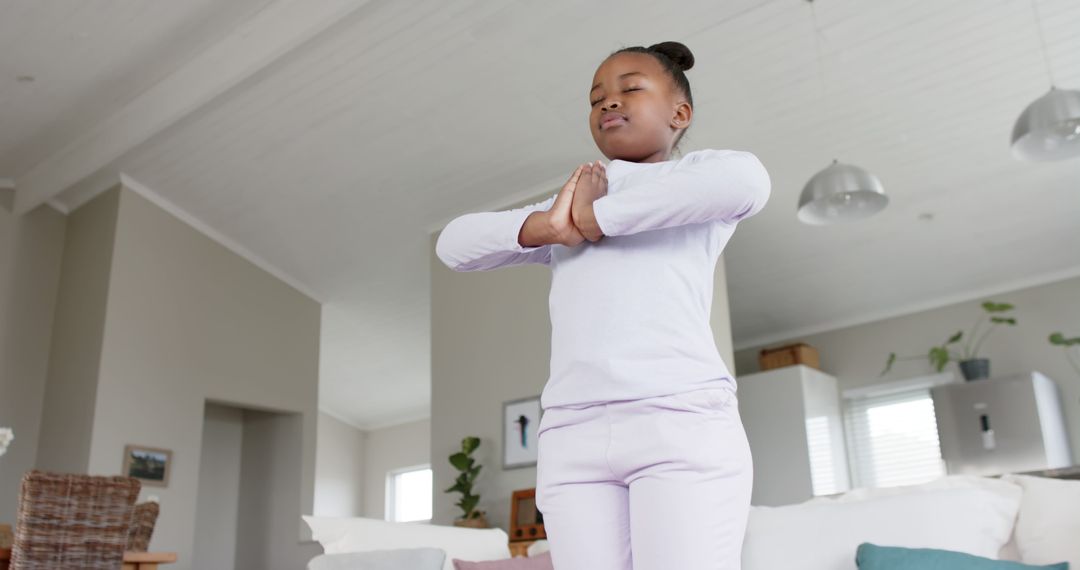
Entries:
{"x":677,"y":52}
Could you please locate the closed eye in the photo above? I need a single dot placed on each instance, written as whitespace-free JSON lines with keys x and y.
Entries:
{"x":593,"y":103}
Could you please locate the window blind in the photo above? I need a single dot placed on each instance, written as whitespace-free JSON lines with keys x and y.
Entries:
{"x":825,"y":478}
{"x":893,"y":439}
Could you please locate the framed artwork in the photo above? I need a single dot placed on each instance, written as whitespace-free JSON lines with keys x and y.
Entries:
{"x":148,"y":464}
{"x":521,"y":418}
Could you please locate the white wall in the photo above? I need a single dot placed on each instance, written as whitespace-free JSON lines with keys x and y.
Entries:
{"x":388,"y":449}
{"x":77,"y":336}
{"x":218,"y":502}
{"x":339,"y":469}
{"x":31,"y":248}
{"x":182,"y":320}
{"x":856,"y":355}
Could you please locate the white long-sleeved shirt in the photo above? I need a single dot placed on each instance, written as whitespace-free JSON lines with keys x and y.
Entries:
{"x":630,"y":312}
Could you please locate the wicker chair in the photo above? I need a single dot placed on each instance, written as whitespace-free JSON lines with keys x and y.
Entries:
{"x":142,"y":526}
{"x":72,"y":521}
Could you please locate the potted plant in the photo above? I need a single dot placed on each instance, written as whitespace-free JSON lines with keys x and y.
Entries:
{"x":463,"y":462}
{"x":1071,"y":347}
{"x":972,"y":367}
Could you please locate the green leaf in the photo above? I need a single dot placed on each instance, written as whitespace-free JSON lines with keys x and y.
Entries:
{"x":888,"y":364}
{"x":468,"y":505}
{"x":992,"y":307}
{"x":1060,"y":340}
{"x":460,"y":461}
{"x":939,"y":357}
{"x":469,"y":444}
{"x":955,"y":338}
{"x":1004,"y":320}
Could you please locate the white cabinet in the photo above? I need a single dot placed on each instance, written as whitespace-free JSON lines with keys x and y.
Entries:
{"x":794,"y":423}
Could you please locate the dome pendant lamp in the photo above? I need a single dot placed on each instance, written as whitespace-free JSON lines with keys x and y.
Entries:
{"x":1049,"y":128}
{"x":840,"y":192}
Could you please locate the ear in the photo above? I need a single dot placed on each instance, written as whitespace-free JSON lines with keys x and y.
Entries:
{"x":682,"y":115}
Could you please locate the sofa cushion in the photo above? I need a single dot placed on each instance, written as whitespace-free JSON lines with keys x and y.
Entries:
{"x":1048,"y":528}
{"x":1006,"y":489}
{"x":825,"y":535}
{"x":394,"y":559}
{"x":357,"y":534}
{"x":539,"y":562}
{"x":875,"y":557}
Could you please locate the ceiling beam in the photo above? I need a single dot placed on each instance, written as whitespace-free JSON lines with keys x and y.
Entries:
{"x":274,"y":31}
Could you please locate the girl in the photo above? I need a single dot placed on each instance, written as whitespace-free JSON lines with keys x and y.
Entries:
{"x":642,"y":462}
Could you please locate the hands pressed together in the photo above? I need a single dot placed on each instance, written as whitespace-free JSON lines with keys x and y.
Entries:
{"x":571,"y":218}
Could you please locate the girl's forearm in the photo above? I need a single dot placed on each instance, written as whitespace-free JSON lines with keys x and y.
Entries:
{"x":585,"y":220}
{"x":537,"y":231}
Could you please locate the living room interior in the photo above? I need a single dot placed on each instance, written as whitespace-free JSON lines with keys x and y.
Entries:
{"x":219,"y":283}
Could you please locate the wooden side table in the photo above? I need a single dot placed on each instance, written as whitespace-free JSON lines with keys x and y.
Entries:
{"x":132,"y":560}
{"x":520,"y":548}
{"x":147,"y":560}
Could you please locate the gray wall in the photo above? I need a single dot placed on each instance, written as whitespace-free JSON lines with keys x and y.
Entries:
{"x":387,"y":449}
{"x":269,"y":473}
{"x":218,"y":503}
{"x":856,"y":355}
{"x":154,"y":319}
{"x":491,"y":342}
{"x":77,"y":336}
{"x":339,"y":469}
{"x":31,"y":248}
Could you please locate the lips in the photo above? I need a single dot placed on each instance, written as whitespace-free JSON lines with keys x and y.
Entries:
{"x":612,"y":119}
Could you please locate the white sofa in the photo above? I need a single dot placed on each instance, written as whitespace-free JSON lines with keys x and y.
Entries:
{"x":352,"y":535}
{"x":1026,"y":519}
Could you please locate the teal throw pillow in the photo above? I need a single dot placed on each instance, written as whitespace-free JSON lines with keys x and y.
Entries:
{"x":874,"y":557}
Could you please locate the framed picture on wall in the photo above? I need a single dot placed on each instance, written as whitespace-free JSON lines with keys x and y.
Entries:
{"x":148,"y":464}
{"x":521,"y":418}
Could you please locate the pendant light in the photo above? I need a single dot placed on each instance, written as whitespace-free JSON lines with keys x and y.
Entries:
{"x":1049,"y":128}
{"x":840,"y":192}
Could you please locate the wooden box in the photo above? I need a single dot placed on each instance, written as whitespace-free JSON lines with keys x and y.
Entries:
{"x":790,"y":355}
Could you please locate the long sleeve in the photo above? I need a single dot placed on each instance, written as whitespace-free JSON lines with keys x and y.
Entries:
{"x":704,"y":185}
{"x":487,"y":240}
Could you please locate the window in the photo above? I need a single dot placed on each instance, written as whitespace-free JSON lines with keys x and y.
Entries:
{"x":408,"y":495}
{"x":893,"y":438}
{"x":827,"y":473}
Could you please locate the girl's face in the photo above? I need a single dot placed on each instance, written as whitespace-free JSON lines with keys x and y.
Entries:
{"x":636,"y":109}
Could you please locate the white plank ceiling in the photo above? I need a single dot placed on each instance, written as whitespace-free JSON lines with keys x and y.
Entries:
{"x":331,"y":164}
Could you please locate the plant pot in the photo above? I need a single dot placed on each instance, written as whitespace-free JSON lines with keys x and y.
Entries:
{"x":479,"y":522}
{"x":975,"y":368}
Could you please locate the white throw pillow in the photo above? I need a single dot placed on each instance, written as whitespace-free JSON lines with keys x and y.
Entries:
{"x":1007,"y":489}
{"x":358,"y":534}
{"x":539,"y":547}
{"x":823,"y":535}
{"x":1048,"y":528}
{"x":1000,"y":486}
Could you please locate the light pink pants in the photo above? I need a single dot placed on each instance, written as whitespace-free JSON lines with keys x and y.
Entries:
{"x":658,"y":483}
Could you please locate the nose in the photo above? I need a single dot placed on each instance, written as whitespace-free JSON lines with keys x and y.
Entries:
{"x":610,"y":105}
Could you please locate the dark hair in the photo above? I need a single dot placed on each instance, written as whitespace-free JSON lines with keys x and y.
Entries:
{"x":676,"y":58}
